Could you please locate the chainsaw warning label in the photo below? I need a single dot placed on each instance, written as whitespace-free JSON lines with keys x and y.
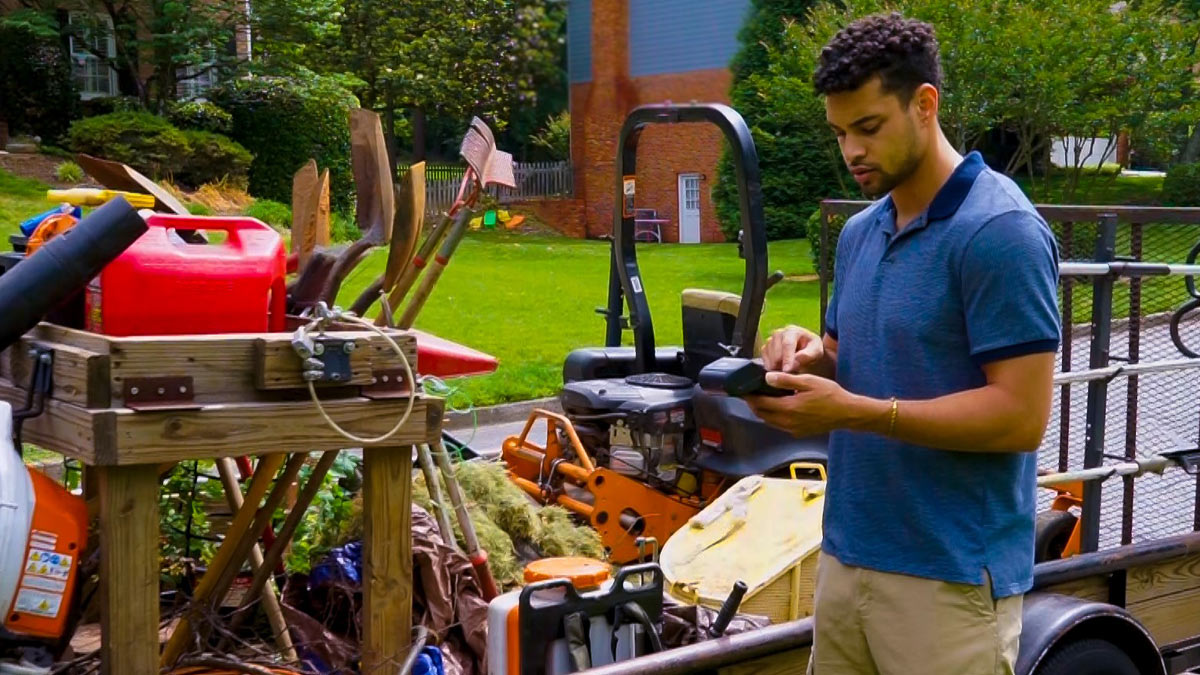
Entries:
{"x":47,"y":564}
{"x":38,"y":603}
{"x":44,"y":584}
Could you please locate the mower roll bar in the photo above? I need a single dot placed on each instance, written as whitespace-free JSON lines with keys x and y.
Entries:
{"x":624,"y":277}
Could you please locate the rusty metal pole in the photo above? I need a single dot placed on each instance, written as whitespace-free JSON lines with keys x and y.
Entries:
{"x":1097,"y":406}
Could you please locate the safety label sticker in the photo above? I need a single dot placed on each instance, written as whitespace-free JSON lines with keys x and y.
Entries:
{"x":48,"y":564}
{"x":45,"y":584}
{"x":38,"y":603}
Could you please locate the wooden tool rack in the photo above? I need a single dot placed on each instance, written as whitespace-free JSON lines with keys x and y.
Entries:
{"x":129,"y":407}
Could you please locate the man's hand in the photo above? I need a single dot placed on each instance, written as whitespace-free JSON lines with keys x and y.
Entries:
{"x":798,"y":350}
{"x":1007,"y":414}
{"x":819,"y":405}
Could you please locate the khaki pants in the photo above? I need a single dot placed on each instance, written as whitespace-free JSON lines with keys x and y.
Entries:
{"x":869,"y":622}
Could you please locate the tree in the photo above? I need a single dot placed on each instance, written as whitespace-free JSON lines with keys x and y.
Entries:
{"x":452,"y":58}
{"x":37,"y":90}
{"x":1072,"y":70}
{"x":796,"y":156}
{"x":1188,"y":12}
{"x":555,"y":138}
{"x":175,"y":39}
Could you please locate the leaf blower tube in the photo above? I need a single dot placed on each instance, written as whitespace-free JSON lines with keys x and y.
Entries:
{"x":64,"y":265}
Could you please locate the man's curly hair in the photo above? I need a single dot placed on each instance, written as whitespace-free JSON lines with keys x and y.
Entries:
{"x":902,"y":52}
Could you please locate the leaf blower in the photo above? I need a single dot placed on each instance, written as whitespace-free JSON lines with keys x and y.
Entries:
{"x":43,"y":526}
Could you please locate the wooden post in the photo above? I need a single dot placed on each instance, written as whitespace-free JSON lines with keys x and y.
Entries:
{"x":129,"y":569}
{"x":387,"y":558}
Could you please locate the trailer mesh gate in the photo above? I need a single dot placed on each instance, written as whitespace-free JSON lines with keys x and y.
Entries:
{"x":1145,"y":413}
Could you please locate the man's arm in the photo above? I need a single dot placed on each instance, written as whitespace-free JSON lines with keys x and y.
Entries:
{"x":1008,"y":414}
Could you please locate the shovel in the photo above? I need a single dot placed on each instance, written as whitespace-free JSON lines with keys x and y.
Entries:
{"x":410,"y":219}
{"x":486,"y":166}
{"x":310,"y":213}
{"x":118,"y":176}
{"x":376,"y":199}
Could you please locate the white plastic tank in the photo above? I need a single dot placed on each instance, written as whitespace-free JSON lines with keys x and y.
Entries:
{"x":16,"y":511}
{"x":503,"y":640}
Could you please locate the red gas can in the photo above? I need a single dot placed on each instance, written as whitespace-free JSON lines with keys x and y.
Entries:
{"x":163,"y":286}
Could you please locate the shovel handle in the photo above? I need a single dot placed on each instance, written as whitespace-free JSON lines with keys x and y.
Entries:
{"x":487,"y":584}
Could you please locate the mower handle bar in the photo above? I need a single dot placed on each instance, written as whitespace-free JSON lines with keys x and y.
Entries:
{"x":624,"y":276}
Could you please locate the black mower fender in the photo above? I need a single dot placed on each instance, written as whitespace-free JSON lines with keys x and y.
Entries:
{"x":1051,"y":622}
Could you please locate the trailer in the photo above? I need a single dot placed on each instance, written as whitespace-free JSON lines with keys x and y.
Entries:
{"x":1108,"y":597}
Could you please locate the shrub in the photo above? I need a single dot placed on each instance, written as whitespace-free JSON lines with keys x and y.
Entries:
{"x":69,"y":172}
{"x":813,"y":232}
{"x":200,"y":116}
{"x":343,"y":228}
{"x":107,"y":105}
{"x":212,"y":158}
{"x":797,"y":155}
{"x":272,"y":213}
{"x":1181,"y":187}
{"x":285,"y":122}
{"x":146,"y":142}
{"x":37,"y":91}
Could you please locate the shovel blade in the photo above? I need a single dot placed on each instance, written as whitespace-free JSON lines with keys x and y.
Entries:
{"x":368,"y":155}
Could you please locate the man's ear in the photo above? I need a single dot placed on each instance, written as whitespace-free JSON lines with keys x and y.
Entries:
{"x":926,"y":99}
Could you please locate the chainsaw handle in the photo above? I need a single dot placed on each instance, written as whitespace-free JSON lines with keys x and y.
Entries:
{"x":729,"y":608}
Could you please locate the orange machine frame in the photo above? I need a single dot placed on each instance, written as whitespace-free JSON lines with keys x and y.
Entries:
{"x":543,"y":471}
{"x":1069,"y":494}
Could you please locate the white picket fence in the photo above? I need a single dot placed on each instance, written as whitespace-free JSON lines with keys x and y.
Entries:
{"x":534,"y":179}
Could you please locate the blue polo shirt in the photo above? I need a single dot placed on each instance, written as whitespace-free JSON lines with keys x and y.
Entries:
{"x":916,"y":315}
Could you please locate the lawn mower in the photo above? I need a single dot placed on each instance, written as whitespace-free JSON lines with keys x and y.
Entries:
{"x":641,"y":446}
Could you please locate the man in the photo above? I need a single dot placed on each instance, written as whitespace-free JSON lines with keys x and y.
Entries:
{"x":934,"y":378}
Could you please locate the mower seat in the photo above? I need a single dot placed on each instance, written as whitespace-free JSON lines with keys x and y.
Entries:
{"x":732,"y":440}
{"x":708,"y":320}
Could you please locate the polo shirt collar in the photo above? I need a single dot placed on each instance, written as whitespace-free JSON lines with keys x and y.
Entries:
{"x":948,"y":199}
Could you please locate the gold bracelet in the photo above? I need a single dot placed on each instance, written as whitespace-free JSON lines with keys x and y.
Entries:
{"x":895,"y":409}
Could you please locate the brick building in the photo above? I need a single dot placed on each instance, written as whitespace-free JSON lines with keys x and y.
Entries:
{"x":626,"y":53}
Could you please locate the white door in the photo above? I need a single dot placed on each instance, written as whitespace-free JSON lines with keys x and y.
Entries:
{"x":689,"y":208}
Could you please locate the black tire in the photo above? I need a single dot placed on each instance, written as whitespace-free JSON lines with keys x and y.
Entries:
{"x":1052,"y":533}
{"x":1088,"y":657}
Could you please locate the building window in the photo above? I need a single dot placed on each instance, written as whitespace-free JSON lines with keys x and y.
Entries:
{"x":93,"y":75}
{"x":691,"y":193}
{"x":195,"y":81}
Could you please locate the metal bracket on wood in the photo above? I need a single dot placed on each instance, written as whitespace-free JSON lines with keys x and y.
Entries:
{"x":329,"y":362}
{"x":389,"y":383}
{"x":159,"y":393}
{"x":41,"y":383}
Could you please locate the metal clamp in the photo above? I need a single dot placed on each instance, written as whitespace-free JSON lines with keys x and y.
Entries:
{"x":324,"y":358}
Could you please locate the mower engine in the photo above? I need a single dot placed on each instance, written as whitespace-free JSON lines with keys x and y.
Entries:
{"x":639,"y":426}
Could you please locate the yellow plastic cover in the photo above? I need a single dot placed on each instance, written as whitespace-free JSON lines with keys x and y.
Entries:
{"x":754,"y":532}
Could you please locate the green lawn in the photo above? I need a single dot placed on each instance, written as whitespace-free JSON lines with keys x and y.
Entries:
{"x":529,"y":300}
{"x":1093,"y":189}
{"x":20,"y":198}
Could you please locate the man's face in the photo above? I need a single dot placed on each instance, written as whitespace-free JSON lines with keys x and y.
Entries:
{"x":881,"y":140}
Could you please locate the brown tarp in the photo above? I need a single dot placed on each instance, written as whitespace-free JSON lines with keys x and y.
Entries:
{"x":446,"y":600}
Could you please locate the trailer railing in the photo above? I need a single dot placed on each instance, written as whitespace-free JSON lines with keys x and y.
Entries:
{"x":1131,"y":328}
